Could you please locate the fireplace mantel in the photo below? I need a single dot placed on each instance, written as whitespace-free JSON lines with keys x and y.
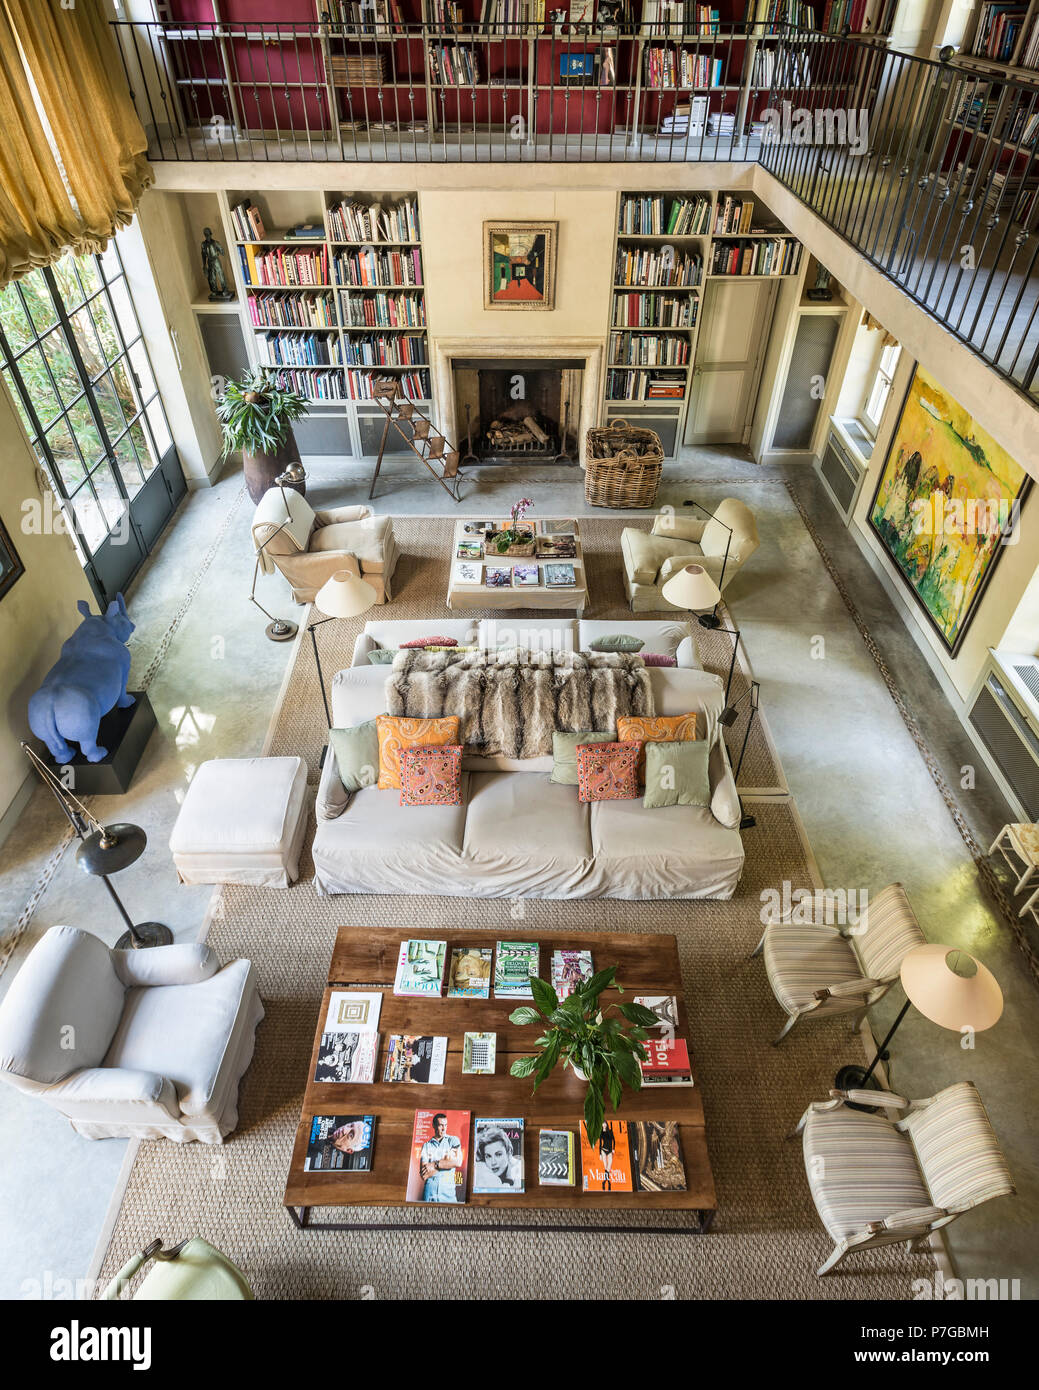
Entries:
{"x":444,"y":351}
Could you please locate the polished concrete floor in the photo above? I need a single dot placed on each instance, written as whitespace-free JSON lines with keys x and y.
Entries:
{"x":871,"y":809}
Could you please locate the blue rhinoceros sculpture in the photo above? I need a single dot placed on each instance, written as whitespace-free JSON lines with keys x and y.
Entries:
{"x":86,"y":681}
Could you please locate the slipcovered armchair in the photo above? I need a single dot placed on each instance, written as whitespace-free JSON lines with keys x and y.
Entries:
{"x":900,"y":1174}
{"x":309,"y":547}
{"x":131,"y":1044}
{"x":722,"y":544}
{"x":817,"y":971}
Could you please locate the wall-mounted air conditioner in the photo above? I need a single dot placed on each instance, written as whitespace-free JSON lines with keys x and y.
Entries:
{"x":1004,"y":715}
{"x":842,"y":471}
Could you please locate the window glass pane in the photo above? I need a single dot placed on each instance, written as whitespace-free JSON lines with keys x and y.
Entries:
{"x":111,"y":500}
{"x":109,"y":259}
{"x":38,"y":385}
{"x":124,"y":389}
{"x":889,"y":358}
{"x":105,"y":327}
{"x":16,"y":396}
{"x":108,"y":404}
{"x":68,"y":283}
{"x":86,"y":341}
{"x":142,"y":370}
{"x":146,"y":456}
{"x":38,"y":300}
{"x":66,"y":456}
{"x":17,"y":328}
{"x":83,"y":427}
{"x":160,"y":430}
{"x":124,"y":310}
{"x":90,"y":517}
{"x":89,"y":275}
{"x":63,"y":368}
{"x":129,"y":469}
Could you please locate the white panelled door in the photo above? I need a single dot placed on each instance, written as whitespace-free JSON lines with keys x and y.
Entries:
{"x":737,"y":317}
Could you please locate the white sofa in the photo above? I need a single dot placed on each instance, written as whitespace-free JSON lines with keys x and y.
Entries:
{"x":517,"y":833}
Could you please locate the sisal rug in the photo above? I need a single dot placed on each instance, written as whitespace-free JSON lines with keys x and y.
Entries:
{"x":766,"y":1241}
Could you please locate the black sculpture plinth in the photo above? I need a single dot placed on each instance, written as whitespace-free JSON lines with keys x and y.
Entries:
{"x":124,"y":732}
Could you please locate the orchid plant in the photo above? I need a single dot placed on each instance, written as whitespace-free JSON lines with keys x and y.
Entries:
{"x":513,"y":535}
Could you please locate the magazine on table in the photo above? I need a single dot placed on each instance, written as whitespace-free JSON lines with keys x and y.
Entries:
{"x":514,"y":964}
{"x":555,"y":527}
{"x":351,"y":1012}
{"x":525,"y":576}
{"x":665,"y":1006}
{"x":498,"y":576}
{"x":606,"y":1160}
{"x":467,"y":572}
{"x":666,"y":1062}
{"x":556,"y":548}
{"x":417,"y":1058}
{"x":340,"y":1143}
{"x":559,"y":576}
{"x":470,"y":973}
{"x":439,"y":1157}
{"x":498,"y":1155}
{"x":420,"y":969}
{"x":570,"y":970}
{"x":347,"y":1058}
{"x":656,"y":1156}
{"x":556,"y":1158}
{"x":469,"y":550}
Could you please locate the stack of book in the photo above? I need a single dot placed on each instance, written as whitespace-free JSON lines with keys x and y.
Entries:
{"x":380,"y":17}
{"x":648,"y":350}
{"x":248,"y":223}
{"x":766,"y":256}
{"x":688,"y":118}
{"x":379,"y":268}
{"x":414,"y":386}
{"x":454,"y":65}
{"x":733,"y":216}
{"x":654,"y":310}
{"x":357,"y":70}
{"x":999,"y":25}
{"x":383,"y":310}
{"x":721,"y":123}
{"x":670,"y":68}
{"x":313,"y":386}
{"x":281,"y":266}
{"x":374,"y":350}
{"x":291,"y":310}
{"x":299,"y":349}
{"x":358,"y":222}
{"x":656,"y":267}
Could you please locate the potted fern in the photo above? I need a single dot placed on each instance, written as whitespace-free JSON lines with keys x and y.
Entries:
{"x":256,"y":417}
{"x":593,"y":1041}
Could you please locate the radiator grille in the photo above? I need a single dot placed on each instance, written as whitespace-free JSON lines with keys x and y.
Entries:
{"x":1029,"y":676}
{"x":1011,"y":742}
{"x":840,"y":473}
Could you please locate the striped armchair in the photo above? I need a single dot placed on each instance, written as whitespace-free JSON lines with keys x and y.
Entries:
{"x":817,"y":970}
{"x":880,"y":1178}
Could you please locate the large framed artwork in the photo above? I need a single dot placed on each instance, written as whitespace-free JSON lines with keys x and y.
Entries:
{"x":946,"y":504}
{"x":11,"y":567}
{"x":519,"y":265}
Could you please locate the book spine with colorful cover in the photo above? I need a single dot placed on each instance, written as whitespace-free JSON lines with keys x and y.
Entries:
{"x":439,"y":1165}
{"x":498,"y":1156}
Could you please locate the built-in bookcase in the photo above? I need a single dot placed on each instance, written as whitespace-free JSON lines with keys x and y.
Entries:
{"x":332,"y":295}
{"x":669,"y":246}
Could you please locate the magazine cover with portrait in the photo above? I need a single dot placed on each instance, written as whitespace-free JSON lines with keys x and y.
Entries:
{"x":439,"y":1157}
{"x":498,"y":1156}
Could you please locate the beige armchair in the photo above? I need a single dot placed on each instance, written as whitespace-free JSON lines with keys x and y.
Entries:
{"x":817,"y":971}
{"x":309,"y":547}
{"x":898,"y":1175}
{"x":722,"y":544}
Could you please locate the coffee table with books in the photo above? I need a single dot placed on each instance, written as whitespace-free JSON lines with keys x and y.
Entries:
{"x":480,"y":577}
{"x":364,"y":964}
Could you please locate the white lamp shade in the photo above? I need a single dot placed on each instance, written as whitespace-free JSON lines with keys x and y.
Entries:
{"x":345,"y":595}
{"x":951,"y":988}
{"x":692,"y":587}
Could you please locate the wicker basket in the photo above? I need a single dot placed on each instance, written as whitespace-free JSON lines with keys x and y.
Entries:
{"x":519,"y":550}
{"x":623,"y":465}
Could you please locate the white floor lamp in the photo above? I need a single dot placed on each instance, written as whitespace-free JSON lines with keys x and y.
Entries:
{"x":345,"y":595}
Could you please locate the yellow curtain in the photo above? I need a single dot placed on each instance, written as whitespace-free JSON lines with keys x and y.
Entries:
{"x":72,"y":165}
{"x":868,"y":321}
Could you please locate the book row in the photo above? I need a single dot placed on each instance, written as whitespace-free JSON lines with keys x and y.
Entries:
{"x":357,"y":222}
{"x":669,"y":68}
{"x":653,"y":215}
{"x":291,"y":310}
{"x":655,"y":311}
{"x":373,"y":350}
{"x":644,"y":386}
{"x":379,"y":268}
{"x":382,"y":310}
{"x":339,"y":384}
{"x":300,"y":349}
{"x":522,"y":576}
{"x":657,"y":266}
{"x":648,"y":350}
{"x":766,"y":256}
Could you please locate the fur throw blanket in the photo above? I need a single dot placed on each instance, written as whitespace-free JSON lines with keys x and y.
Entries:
{"x":511,"y":701}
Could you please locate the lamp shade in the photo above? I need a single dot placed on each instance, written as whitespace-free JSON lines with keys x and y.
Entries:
{"x":345,"y":595}
{"x":693,"y":588}
{"x":951,"y":988}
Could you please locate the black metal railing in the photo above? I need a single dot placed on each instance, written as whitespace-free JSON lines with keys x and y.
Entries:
{"x":928,"y":168}
{"x":498,"y":93}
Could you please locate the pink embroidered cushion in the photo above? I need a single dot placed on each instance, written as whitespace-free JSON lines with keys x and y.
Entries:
{"x":431,"y":776}
{"x":430,"y":642}
{"x":607,"y":771}
{"x":659,"y":659}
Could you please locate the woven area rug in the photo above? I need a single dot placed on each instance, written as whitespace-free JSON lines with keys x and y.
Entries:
{"x":767,"y":1240}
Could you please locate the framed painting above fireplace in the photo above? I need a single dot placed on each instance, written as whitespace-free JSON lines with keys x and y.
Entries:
{"x":519,"y":265}
{"x":11,"y":567}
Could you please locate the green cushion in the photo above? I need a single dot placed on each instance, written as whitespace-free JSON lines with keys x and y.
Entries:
{"x":564,"y":751}
{"x":676,"y":774}
{"x":617,"y":642}
{"x":381,"y":656}
{"x":357,"y":755}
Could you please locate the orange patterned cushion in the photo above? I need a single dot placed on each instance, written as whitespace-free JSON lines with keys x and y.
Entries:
{"x":662,"y":728}
{"x":606,"y":771}
{"x":399,"y":731}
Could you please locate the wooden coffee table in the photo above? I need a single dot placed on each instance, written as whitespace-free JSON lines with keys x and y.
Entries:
{"x":526,"y":596}
{"x":367,"y":959}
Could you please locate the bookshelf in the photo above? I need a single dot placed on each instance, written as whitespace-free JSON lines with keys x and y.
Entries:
{"x":334,"y":307}
{"x":666,"y":244}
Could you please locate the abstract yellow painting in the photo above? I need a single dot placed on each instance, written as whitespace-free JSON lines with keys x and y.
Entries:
{"x":946,"y":505}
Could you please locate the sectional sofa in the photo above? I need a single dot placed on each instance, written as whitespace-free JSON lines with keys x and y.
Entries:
{"x":517,"y":833}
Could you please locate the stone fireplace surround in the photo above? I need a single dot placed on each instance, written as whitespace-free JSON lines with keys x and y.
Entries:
{"x":444,"y":352}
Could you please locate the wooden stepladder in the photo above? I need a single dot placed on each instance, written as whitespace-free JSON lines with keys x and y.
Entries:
{"x":419,"y":435}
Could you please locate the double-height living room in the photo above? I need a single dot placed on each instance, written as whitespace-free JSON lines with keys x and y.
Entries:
{"x":519,"y":576}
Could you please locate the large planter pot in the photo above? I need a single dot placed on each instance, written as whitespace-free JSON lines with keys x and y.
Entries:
{"x":262,"y":469}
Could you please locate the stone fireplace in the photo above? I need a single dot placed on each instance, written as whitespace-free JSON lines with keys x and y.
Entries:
{"x":520,"y":401}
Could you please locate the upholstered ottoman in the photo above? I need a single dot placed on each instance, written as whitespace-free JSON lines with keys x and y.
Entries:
{"x":242,"y":821}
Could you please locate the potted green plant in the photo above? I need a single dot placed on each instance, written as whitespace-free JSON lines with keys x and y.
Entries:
{"x":256,"y":416}
{"x":578,"y":1032}
{"x":518,"y":537}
